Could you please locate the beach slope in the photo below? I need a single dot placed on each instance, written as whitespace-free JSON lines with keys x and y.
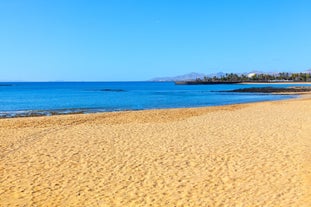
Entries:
{"x":240,"y":155}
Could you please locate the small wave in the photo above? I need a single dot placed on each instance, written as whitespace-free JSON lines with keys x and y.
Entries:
{"x":35,"y":113}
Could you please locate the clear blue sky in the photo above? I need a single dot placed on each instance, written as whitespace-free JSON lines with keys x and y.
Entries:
{"x":106,"y":40}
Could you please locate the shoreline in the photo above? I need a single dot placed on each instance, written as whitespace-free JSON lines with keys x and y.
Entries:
{"x":242,"y":154}
{"x":193,"y":110}
{"x":66,"y":112}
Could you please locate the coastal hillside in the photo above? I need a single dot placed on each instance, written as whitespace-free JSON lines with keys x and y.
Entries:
{"x":189,"y":76}
{"x":219,"y":75}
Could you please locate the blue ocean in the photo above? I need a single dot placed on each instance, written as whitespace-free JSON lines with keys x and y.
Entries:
{"x":48,"y":98}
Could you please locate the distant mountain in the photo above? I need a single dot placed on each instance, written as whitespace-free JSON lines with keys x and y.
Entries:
{"x":307,"y":71}
{"x":218,"y":75}
{"x":189,"y":76}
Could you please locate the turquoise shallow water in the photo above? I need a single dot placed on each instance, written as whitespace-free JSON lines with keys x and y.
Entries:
{"x":26,"y":99}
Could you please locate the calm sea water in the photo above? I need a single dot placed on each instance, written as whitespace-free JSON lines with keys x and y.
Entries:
{"x":25,"y":99}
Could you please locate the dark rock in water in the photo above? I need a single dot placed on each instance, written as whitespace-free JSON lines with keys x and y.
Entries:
{"x":271,"y":90}
{"x":113,"y":90}
{"x":6,"y":85}
{"x":205,"y":82}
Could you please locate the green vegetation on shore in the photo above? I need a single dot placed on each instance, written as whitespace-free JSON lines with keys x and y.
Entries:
{"x":280,"y":77}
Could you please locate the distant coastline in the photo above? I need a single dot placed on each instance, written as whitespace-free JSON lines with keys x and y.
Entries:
{"x":233,"y":78}
{"x":195,"y":82}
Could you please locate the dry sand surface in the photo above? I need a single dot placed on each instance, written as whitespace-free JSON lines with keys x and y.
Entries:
{"x":240,"y":155}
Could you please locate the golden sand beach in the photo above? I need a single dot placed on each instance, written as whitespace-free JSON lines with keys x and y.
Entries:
{"x":240,"y":155}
